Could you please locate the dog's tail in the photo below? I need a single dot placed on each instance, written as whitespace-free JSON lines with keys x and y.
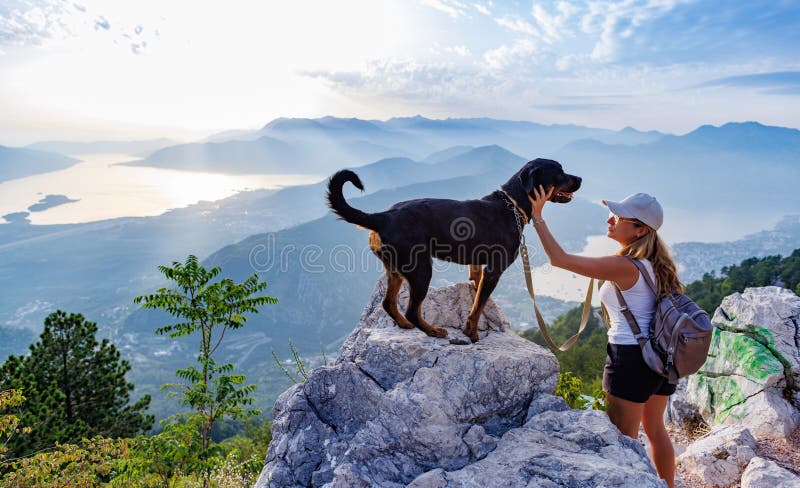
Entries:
{"x":341,"y":208}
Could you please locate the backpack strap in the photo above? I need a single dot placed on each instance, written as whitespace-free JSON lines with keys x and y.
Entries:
{"x":645,"y":274}
{"x":637,"y":332}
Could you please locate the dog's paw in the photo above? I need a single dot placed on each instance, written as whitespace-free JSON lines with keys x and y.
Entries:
{"x":471,"y":330}
{"x":439,"y":332}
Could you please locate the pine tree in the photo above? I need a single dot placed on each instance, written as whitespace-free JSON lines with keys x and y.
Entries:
{"x":74,"y":387}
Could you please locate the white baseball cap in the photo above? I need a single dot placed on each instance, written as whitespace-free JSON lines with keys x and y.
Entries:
{"x":640,"y":206}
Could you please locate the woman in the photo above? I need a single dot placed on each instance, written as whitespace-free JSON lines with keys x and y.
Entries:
{"x":634,"y":393}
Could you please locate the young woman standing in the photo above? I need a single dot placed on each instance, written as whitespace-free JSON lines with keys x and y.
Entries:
{"x":634,"y":394}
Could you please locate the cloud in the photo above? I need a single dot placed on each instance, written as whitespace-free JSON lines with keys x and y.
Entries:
{"x":453,"y":8}
{"x":594,"y":97}
{"x":775,"y":83}
{"x":138,"y":47}
{"x":516,"y":24}
{"x":31,"y":23}
{"x":617,"y":22}
{"x":101,"y":23}
{"x":405,"y":79}
{"x":554,"y":26}
{"x":506,"y":56}
{"x":458,"y":50}
{"x":482,"y":9}
{"x":684,"y":31}
{"x":36,"y":23}
{"x":569,"y":107}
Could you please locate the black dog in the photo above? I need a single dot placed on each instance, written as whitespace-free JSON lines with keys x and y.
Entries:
{"x":484,"y":234}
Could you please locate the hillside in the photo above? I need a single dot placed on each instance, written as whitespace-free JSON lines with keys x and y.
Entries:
{"x":20,"y":162}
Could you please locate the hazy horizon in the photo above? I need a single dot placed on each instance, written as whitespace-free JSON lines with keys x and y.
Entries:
{"x":176,"y":136}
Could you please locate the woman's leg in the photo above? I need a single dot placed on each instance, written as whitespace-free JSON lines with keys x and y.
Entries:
{"x":625,"y":414}
{"x":661,"y":446}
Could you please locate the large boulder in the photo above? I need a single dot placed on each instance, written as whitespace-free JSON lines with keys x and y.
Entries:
{"x":397,"y":405}
{"x":752,"y":375}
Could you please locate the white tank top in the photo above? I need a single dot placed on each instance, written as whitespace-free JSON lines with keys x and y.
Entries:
{"x":641,"y":301}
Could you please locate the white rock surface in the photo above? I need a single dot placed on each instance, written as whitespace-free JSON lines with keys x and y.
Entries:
{"x":720,"y":457}
{"x":554,"y":449}
{"x":763,"y":473}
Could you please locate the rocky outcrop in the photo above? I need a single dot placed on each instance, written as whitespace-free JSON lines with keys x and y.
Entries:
{"x":400,"y":407}
{"x":748,"y":389}
{"x":752,"y":375}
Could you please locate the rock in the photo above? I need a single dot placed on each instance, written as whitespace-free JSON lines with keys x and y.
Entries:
{"x":752,"y":375}
{"x":555,"y":448}
{"x":543,"y":403}
{"x":399,"y":407}
{"x":679,"y":409}
{"x":479,"y":442}
{"x":761,"y":473}
{"x":720,"y":456}
{"x":398,"y":403}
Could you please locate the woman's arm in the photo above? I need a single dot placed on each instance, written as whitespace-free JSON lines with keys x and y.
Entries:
{"x":611,"y":268}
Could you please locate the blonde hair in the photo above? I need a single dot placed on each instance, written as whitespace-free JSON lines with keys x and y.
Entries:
{"x":651,"y":247}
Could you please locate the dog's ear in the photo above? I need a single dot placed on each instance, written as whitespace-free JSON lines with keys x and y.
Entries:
{"x":528,"y":178}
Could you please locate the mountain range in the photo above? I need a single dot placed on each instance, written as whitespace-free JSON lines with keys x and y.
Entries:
{"x":97,"y":268}
{"x":325,"y":144}
{"x":142,"y":147}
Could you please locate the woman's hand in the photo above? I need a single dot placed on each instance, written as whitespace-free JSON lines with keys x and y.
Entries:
{"x":541,"y":197}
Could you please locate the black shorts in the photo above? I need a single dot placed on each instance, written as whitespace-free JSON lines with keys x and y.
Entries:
{"x":627,"y":376}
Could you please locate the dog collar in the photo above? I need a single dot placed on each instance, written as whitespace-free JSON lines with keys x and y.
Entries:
{"x":516,"y":205}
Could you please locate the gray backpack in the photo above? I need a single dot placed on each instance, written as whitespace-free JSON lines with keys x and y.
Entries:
{"x":680,"y":333}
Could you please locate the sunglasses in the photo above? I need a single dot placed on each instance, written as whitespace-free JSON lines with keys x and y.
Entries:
{"x":617,"y":219}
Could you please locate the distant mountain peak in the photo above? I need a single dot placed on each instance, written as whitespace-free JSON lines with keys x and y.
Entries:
{"x":490,"y":148}
{"x":415,"y":118}
{"x":744,"y":132}
{"x":291,"y":123}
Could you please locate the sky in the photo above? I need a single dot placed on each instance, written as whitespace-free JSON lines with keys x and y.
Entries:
{"x":109,"y":70}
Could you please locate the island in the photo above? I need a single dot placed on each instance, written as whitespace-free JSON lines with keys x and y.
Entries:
{"x":50,"y":201}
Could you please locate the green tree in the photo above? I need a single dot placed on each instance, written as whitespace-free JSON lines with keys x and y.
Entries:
{"x":10,"y":403}
{"x":709,"y":291}
{"x":88,"y":463}
{"x":208,"y":308}
{"x":571,"y":388}
{"x":74,"y":386}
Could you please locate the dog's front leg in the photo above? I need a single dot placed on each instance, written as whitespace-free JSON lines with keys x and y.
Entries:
{"x":489,"y":279}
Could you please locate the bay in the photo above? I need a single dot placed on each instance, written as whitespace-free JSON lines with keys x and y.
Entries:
{"x":105,"y":190}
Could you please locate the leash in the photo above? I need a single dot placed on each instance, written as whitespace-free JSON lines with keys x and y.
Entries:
{"x":523,"y":250}
{"x":587,"y":305}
